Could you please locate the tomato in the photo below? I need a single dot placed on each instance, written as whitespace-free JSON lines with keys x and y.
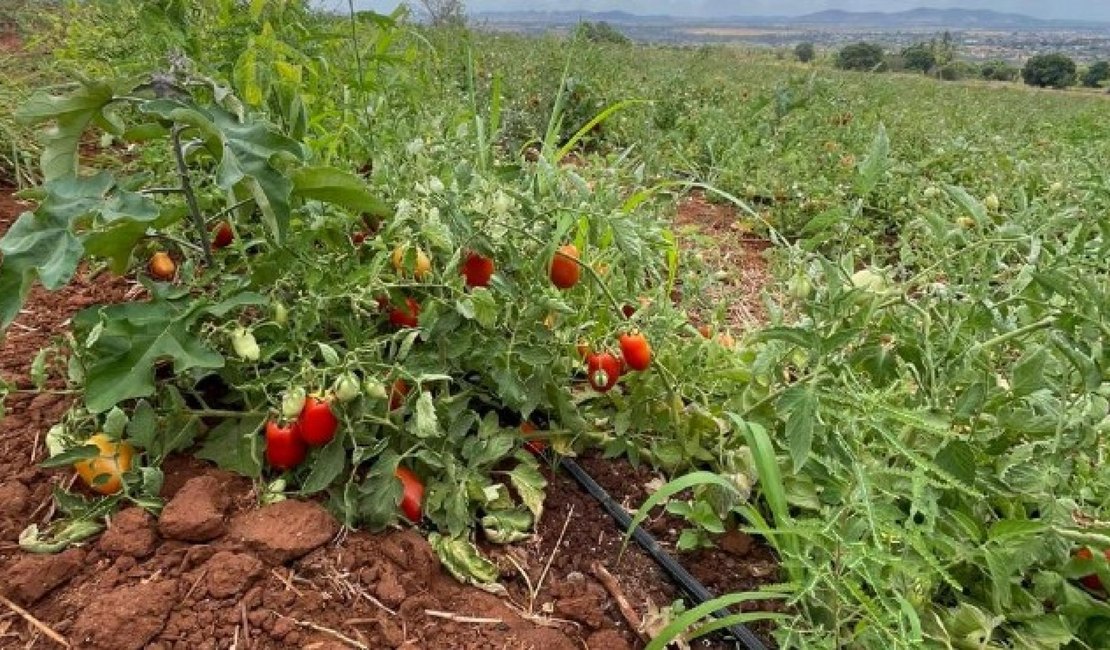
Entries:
{"x":397,"y":394}
{"x":629,"y":311}
{"x":284,"y":447}
{"x":477,"y":269}
{"x":224,"y":235}
{"x":113,"y":461}
{"x":532,"y":445}
{"x":245,"y":345}
{"x":346,"y":387}
{"x":407,"y":315}
{"x":162,"y":267}
{"x":705,"y":332}
{"x":583,"y":349}
{"x":358,"y":237}
{"x":725,"y":340}
{"x":412,"y":497}
{"x":423,"y":264}
{"x":564,"y":267}
{"x":603,"y":370}
{"x":317,"y":423}
{"x":1092,"y":581}
{"x":636,"y":350}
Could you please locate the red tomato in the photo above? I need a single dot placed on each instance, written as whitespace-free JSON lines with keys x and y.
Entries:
{"x":407,"y":315}
{"x":603,"y":370}
{"x":358,"y":237}
{"x":397,"y":394}
{"x":412,"y":498}
{"x":284,"y":448}
{"x":564,"y":267}
{"x":636,"y":350}
{"x":1092,"y":581}
{"x":162,"y":266}
{"x":317,"y":423}
{"x":224,"y":235}
{"x":534,"y":446}
{"x":629,"y":311}
{"x":477,"y":269}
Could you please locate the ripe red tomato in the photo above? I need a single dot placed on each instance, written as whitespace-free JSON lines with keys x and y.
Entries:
{"x":317,"y":423}
{"x":412,"y":498}
{"x":636,"y":350}
{"x":1092,"y":581}
{"x":397,"y":394}
{"x":564,"y":267}
{"x":534,"y":446}
{"x":477,"y":269}
{"x":357,"y":237}
{"x":407,"y":315}
{"x":284,"y":448}
{"x":603,"y":370}
{"x":224,"y":235}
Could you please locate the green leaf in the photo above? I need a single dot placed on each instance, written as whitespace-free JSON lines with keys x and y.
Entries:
{"x":507,"y":526}
{"x":425,"y":423}
{"x":115,"y":423}
{"x":529,"y":483}
{"x":331,"y":185}
{"x":234,"y":445}
{"x":1015,"y":528}
{"x":968,"y":203}
{"x":70,"y":456}
{"x":71,"y":114}
{"x":143,"y":425}
{"x":380,"y":493}
{"x":327,"y":465}
{"x":801,"y":404}
{"x":1029,"y":373}
{"x":485,"y":307}
{"x":135,"y":338}
{"x":670,"y":489}
{"x":875,"y":165}
{"x":463,"y":559}
{"x":695,"y":614}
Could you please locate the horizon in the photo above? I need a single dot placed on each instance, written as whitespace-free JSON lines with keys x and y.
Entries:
{"x":1072,"y":10}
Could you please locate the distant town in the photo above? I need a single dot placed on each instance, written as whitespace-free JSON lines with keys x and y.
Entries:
{"x":977,"y":35}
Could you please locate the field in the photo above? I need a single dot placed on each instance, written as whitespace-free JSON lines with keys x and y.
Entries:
{"x":343,"y":298}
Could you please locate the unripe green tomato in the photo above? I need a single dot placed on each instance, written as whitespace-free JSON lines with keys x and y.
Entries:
{"x":292,"y":402}
{"x":374,"y":389}
{"x":281,"y":314}
{"x":244,"y":345}
{"x":346,"y":387}
{"x":799,"y":287}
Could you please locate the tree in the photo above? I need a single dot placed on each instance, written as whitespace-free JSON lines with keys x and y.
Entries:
{"x":920,"y":57}
{"x":1054,"y":70}
{"x":601,"y":32}
{"x":805,"y":52}
{"x":860,"y":56}
{"x":445,"y":12}
{"x":1096,"y":74}
{"x":998,"y":71}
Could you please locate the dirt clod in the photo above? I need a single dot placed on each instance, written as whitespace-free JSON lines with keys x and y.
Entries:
{"x":607,"y":640}
{"x":228,"y":574}
{"x":125,"y":619}
{"x":196,"y":513}
{"x":286,"y":530}
{"x":131,"y":533}
{"x":34,"y":576}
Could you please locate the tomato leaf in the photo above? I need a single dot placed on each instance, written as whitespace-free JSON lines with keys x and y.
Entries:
{"x":425,"y":423}
{"x":875,"y":165}
{"x":234,"y":446}
{"x":331,"y":185}
{"x":529,"y":483}
{"x":801,"y":405}
{"x":136,"y":337}
{"x":70,"y":456}
{"x":463,"y":559}
{"x":143,"y":425}
{"x":380,"y":493}
{"x":115,"y":423}
{"x":327,"y":464}
{"x":71,"y":114}
{"x":507,"y":526}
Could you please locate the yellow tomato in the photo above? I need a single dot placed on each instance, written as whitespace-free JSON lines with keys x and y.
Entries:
{"x":113,"y":461}
{"x":423,"y":264}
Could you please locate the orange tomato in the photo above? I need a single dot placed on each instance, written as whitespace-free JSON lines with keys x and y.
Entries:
{"x":162,"y":267}
{"x":113,"y":461}
{"x":423,"y":264}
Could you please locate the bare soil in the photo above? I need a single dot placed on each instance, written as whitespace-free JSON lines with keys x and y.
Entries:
{"x":219,"y":571}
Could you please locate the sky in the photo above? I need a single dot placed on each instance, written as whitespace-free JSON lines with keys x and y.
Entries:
{"x":1063,"y":9}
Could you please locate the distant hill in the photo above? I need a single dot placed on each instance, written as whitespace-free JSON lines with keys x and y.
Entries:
{"x":924,"y":17}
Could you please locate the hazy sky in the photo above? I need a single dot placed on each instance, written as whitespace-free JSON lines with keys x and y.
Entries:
{"x":1074,"y":9}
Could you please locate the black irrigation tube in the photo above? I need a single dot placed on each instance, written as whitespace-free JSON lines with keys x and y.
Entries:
{"x":696,"y":590}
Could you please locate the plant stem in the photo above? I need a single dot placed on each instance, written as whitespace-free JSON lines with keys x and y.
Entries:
{"x":1019,"y":332}
{"x":191,"y":198}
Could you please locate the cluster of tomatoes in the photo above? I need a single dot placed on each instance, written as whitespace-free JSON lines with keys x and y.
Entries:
{"x":288,"y":444}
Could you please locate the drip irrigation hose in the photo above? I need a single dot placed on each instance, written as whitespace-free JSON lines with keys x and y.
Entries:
{"x":696,"y":590}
